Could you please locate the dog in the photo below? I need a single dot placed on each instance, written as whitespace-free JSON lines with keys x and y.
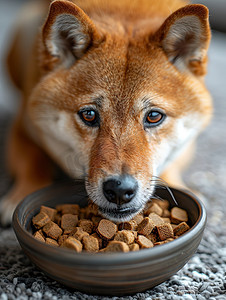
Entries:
{"x":113,"y":92}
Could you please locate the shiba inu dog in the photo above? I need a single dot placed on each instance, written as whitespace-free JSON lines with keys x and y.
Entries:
{"x":113,"y":92}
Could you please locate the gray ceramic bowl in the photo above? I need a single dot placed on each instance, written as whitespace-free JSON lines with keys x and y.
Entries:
{"x":102,"y":273}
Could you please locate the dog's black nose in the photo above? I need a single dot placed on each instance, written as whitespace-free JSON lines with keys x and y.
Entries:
{"x":120,"y":189}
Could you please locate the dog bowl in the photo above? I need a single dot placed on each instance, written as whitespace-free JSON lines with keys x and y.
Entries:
{"x":107,"y":273}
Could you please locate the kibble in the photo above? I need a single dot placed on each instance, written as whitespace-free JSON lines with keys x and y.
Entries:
{"x":106,"y":229}
{"x":146,"y":226}
{"x":181,"y":228}
{"x":62,"y":238}
{"x":157,"y":220}
{"x":155,"y":208}
{"x":41,"y":220}
{"x":86,"y":225}
{"x":178,"y":215}
{"x":153,"y":236}
{"x":39,"y":236}
{"x":117,"y":246}
{"x":164,"y":242}
{"x":129,"y":225}
{"x":78,"y":233}
{"x":69,"y":222}
{"x":68,"y":209}
{"x":165,"y":231}
{"x":166,"y":213}
{"x":51,"y":212}
{"x":166,"y":220}
{"x":144,"y":242}
{"x":90,"y":243}
{"x":98,"y":238}
{"x":138,"y":218}
{"x":52,"y":230}
{"x":134,"y":247}
{"x":52,"y":242}
{"x":72,"y":243}
{"x":84,"y":229}
{"x":125,"y":236}
{"x":164,"y":204}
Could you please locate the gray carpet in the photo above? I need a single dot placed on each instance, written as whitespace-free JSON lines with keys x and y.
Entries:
{"x":204,"y":276}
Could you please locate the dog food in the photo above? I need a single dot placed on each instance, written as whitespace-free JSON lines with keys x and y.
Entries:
{"x":125,"y":236}
{"x":106,"y":229}
{"x":84,"y":229}
{"x":116,"y":246}
{"x":52,"y":230}
{"x":180,"y":229}
{"x":178,"y":215}
{"x":51,"y":212}
{"x":69,"y":222}
{"x":41,"y":220}
{"x":90,"y":243}
{"x":165,"y":231}
{"x":144,"y":242}
{"x":72,"y":243}
{"x":146,"y":226}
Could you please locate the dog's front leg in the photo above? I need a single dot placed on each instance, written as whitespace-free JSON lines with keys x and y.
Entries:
{"x":30,"y":168}
{"x":173,"y":173}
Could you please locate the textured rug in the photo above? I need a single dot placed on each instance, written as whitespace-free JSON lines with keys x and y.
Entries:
{"x":204,"y":276}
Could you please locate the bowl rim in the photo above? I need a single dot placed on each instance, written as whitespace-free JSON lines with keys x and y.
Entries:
{"x":68,"y":256}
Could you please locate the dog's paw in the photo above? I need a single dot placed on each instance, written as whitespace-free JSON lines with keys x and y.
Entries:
{"x":9,"y":202}
{"x":7,"y":207}
{"x":17,"y":193}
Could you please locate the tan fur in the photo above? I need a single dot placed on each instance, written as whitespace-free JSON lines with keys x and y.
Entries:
{"x":126,"y":60}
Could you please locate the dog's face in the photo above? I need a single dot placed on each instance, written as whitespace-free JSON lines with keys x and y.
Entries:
{"x":117,"y":108}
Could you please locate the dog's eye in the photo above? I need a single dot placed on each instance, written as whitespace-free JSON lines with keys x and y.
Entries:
{"x":89,"y":117}
{"x":154,"y":118}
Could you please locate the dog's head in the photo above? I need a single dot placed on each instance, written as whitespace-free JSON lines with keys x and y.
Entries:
{"x":117,"y":102}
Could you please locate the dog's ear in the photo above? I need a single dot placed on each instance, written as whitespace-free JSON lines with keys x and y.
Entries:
{"x":68,"y":32}
{"x":185,"y":37}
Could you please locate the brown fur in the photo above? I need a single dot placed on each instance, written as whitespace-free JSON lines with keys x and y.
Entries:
{"x":123,"y":68}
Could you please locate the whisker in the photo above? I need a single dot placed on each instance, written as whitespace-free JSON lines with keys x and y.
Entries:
{"x":165,"y":185}
{"x":171,"y":194}
{"x":157,"y":197}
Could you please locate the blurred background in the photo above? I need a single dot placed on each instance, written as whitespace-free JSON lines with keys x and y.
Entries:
{"x":217,"y":10}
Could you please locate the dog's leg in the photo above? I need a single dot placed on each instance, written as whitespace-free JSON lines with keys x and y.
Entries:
{"x":30,"y":168}
{"x":173,"y":173}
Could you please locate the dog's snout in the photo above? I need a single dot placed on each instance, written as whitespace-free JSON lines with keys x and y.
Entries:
{"x":120,"y":189}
